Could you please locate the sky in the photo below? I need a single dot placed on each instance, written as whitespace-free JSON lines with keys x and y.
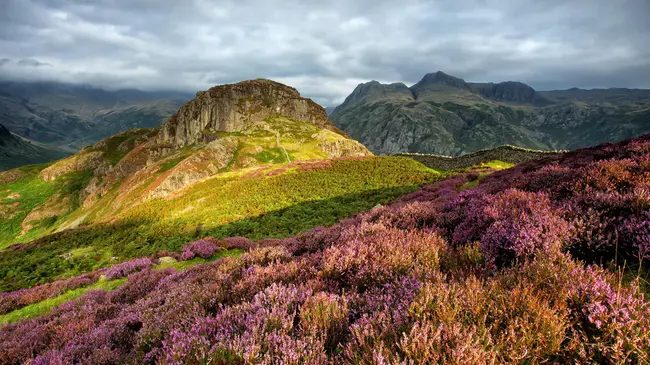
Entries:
{"x":325,"y":48}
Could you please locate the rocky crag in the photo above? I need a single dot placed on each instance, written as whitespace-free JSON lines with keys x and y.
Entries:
{"x":445,"y":115}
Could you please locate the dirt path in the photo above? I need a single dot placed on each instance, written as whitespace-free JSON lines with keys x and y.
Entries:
{"x":277,"y":141}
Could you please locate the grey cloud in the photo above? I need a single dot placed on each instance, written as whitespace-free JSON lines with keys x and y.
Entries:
{"x":326,"y":48}
{"x":29,"y":62}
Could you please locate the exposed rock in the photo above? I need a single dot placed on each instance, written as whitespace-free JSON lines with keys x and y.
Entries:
{"x":510,"y":91}
{"x":235,"y":107}
{"x":340,"y":147}
{"x":8,"y":211}
{"x":166,"y":260}
{"x":206,"y":162}
{"x":451,"y":117}
{"x":78,"y":162}
{"x":438,"y":81}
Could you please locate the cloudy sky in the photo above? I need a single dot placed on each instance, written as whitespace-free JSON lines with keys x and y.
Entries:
{"x":325,"y":48}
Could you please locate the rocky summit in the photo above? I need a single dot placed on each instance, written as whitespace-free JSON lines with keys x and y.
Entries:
{"x":233,"y":108}
{"x":443,"y":114}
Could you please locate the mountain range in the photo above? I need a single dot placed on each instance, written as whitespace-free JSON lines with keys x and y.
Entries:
{"x":443,"y":114}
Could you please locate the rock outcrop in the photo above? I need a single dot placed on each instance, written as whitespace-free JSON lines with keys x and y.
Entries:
{"x":206,"y":162}
{"x":235,"y":107}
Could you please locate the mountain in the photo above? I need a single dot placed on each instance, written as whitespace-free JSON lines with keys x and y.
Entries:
{"x":229,"y":130}
{"x":17,"y":151}
{"x":329,"y":109}
{"x":443,"y":114}
{"x":70,"y":117}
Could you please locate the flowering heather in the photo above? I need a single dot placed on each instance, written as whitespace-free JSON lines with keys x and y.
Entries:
{"x":125,"y":268}
{"x":507,"y":272}
{"x":204,"y":248}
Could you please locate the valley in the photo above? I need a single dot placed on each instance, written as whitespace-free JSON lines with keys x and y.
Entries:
{"x":66,"y":117}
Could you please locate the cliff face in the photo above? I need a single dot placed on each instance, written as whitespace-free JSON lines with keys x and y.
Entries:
{"x":235,"y":107}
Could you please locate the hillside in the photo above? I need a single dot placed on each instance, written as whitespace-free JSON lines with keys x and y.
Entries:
{"x":252,"y":159}
{"x":445,"y":115}
{"x":16,"y":151}
{"x":70,"y":117}
{"x":519,"y":268}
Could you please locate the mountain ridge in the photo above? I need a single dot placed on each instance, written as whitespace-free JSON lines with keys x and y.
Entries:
{"x":449,"y":116}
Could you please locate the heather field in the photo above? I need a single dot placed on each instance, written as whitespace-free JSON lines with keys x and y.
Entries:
{"x":545,"y":262}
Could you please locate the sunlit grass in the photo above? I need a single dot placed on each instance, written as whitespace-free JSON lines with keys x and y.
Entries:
{"x":45,"y":306}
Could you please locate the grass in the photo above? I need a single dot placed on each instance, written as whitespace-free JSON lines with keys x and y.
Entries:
{"x":32,"y":191}
{"x":496,"y":165}
{"x":45,"y":306}
{"x":183,"y":265}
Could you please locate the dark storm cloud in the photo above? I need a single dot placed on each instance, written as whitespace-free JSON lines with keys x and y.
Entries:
{"x":325,"y":48}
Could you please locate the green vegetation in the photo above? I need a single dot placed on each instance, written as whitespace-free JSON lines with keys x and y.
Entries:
{"x":253,"y":205}
{"x":496,"y":165}
{"x":111,"y":146}
{"x":18,"y":200}
{"x":183,"y":265}
{"x":45,"y":306}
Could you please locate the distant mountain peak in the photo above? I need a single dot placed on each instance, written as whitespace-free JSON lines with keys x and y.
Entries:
{"x":374,"y":91}
{"x":440,"y":77}
{"x":437,"y":82}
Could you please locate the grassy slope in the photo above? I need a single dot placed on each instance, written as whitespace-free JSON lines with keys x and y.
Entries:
{"x":45,"y":306}
{"x":229,"y":205}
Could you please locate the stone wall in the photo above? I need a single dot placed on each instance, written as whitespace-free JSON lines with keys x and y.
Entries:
{"x":506,"y":153}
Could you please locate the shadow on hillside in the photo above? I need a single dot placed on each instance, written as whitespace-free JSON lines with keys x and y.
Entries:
{"x":52,"y":257}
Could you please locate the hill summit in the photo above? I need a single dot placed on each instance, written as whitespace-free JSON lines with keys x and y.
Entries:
{"x":236,"y":107}
{"x":235,"y":129}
